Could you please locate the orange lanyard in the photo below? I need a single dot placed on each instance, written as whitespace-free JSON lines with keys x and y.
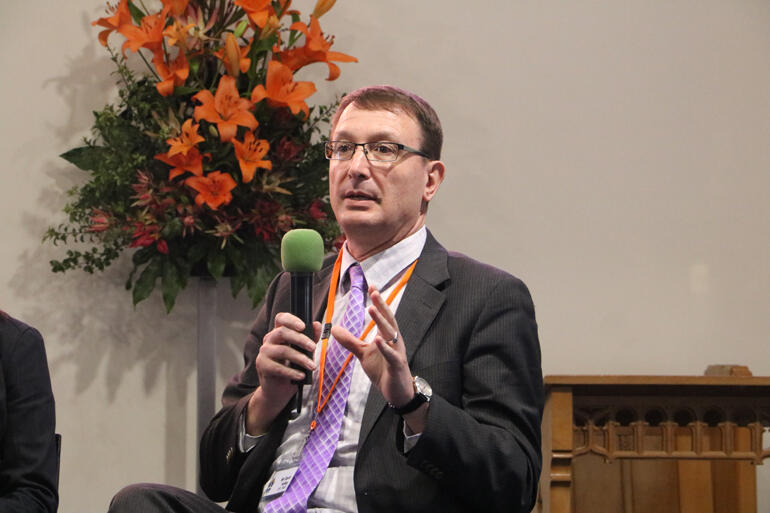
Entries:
{"x":321,"y":403}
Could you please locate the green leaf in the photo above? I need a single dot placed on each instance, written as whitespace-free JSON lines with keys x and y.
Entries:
{"x":196,"y":253}
{"x":258,"y":281}
{"x":185,"y":90}
{"x":171,"y":284}
{"x":216,"y":263}
{"x":86,"y":158}
{"x":143,"y":256}
{"x":146,"y":281}
{"x":136,"y":13}
{"x":237,"y":282}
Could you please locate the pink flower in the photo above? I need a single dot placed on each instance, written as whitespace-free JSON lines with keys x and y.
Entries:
{"x":285,"y":222}
{"x":100,"y":221}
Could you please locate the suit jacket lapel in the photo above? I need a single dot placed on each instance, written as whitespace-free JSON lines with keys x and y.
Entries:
{"x":418,"y":308}
{"x":321,"y":283}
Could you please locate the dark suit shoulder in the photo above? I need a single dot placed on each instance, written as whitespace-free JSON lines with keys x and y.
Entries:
{"x":478,"y":277}
{"x":15,"y":335}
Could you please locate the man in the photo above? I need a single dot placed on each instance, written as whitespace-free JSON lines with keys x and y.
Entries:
{"x":29,"y":462}
{"x":440,"y":405}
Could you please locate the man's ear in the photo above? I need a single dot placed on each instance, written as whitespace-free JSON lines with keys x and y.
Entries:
{"x":435,"y":177}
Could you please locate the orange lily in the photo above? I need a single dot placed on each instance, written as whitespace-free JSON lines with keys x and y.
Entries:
{"x":282,"y":90}
{"x":234,"y":56}
{"x":173,"y":75}
{"x":227,"y":109}
{"x":322,"y":7}
{"x":149,"y":35}
{"x":120,"y":17}
{"x":187,"y":139}
{"x":316,"y":49}
{"x":180,"y":163}
{"x":177,"y":34}
{"x":257,"y":10}
{"x":249,"y":154}
{"x":271,"y":27}
{"x":177,"y":7}
{"x":213,"y":189}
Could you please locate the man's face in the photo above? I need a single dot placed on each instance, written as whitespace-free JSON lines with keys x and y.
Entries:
{"x":379,"y":203}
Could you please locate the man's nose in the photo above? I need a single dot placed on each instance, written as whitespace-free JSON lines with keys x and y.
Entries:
{"x":359,"y":164}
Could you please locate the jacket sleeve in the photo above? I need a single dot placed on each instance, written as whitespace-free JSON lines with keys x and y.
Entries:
{"x":483,"y":446}
{"x":29,"y":460}
{"x":220,"y":457}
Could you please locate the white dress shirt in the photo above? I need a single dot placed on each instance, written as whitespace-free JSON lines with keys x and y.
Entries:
{"x":335,"y":492}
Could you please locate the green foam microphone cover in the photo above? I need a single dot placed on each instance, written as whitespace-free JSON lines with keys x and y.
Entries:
{"x":302,"y":250}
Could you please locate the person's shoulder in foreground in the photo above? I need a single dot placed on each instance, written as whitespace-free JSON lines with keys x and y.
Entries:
{"x":29,"y":460}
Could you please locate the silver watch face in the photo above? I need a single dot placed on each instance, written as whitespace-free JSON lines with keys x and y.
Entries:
{"x":422,"y":387}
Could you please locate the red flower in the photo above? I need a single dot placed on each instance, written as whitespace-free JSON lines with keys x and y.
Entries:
{"x":162,"y":246}
{"x":287,"y":150}
{"x":339,"y":241}
{"x":263,"y":218}
{"x":316,"y":210}
{"x":144,"y":235}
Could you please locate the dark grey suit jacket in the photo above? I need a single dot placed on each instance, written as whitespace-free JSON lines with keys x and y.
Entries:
{"x":28,"y":457}
{"x":470,"y":331}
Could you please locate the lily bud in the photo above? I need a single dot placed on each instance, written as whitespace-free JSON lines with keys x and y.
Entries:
{"x":232,"y":55}
{"x":322,"y":7}
{"x":213,"y":131}
{"x":240,"y":28}
{"x":271,"y":26}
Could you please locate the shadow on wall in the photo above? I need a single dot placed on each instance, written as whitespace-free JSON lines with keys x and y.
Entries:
{"x":88,"y":85}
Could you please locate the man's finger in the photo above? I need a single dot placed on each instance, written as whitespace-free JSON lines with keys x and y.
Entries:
{"x":388,"y":351}
{"x":379,"y":303}
{"x":386,"y":329}
{"x":347,"y":340}
{"x":290,"y":321}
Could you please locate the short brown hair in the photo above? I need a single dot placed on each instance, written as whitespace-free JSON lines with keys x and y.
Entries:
{"x":391,"y":98}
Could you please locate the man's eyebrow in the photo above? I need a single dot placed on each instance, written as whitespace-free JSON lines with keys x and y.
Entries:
{"x":375,"y":137}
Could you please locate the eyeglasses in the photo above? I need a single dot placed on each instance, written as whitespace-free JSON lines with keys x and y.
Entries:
{"x":374,"y":151}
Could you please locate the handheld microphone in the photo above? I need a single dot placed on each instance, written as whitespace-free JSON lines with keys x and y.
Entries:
{"x":302,"y":253}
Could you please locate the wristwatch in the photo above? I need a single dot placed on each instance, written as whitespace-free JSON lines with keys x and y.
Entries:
{"x":422,"y":394}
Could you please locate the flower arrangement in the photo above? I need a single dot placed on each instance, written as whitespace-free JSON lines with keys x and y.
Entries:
{"x":212,"y":154}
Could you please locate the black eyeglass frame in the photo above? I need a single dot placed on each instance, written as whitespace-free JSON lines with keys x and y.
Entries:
{"x":401,"y":147}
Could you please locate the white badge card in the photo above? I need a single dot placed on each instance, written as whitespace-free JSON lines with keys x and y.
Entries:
{"x":279,"y":482}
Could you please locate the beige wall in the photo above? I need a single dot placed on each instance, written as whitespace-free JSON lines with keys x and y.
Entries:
{"x":614,"y":155}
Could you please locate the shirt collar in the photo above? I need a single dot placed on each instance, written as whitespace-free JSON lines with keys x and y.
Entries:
{"x":380,"y":269}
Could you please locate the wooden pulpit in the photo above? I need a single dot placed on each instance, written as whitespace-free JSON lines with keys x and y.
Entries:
{"x":662,"y":444}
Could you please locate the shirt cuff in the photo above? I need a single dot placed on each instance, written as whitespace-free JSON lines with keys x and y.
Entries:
{"x":410,"y":440}
{"x":246,"y":442}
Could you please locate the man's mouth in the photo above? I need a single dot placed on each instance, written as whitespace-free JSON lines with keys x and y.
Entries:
{"x":360,"y":196}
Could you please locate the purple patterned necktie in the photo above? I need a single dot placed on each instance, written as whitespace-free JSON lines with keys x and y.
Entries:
{"x":322,"y":442}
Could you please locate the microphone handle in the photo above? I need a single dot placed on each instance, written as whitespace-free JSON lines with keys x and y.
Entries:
{"x":302,"y":307}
